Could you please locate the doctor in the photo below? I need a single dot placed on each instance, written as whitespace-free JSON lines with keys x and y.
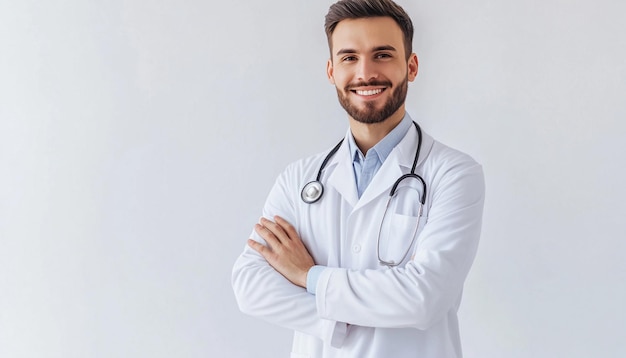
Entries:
{"x":352,"y":272}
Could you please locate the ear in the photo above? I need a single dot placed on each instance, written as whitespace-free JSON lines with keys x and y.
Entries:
{"x":329,"y":71}
{"x":412,"y":67}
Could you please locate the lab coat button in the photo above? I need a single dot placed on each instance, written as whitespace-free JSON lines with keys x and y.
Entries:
{"x":356,"y":248}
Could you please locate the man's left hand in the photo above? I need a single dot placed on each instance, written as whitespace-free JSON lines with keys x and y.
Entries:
{"x":285,"y":251}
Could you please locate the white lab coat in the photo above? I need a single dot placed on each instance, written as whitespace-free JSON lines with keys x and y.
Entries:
{"x":362,"y":309}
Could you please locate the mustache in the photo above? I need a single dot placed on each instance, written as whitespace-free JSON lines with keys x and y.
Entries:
{"x":350,"y":86}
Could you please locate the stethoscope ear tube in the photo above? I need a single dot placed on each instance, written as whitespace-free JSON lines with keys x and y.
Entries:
{"x":330,"y":155}
{"x":410,"y":175}
{"x":312,"y":191}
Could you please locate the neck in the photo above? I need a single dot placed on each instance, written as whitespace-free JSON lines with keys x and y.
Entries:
{"x":366,"y":135}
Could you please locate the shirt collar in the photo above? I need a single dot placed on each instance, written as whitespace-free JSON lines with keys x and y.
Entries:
{"x":383,"y":148}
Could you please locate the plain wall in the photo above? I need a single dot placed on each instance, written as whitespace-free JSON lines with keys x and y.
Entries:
{"x":138,"y":140}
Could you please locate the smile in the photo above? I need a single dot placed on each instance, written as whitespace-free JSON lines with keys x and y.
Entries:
{"x":369,"y":92}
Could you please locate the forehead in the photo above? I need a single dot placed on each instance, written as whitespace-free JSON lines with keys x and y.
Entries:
{"x":366,"y":33}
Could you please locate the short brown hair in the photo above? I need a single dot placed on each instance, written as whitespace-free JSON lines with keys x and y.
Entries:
{"x":357,"y":9}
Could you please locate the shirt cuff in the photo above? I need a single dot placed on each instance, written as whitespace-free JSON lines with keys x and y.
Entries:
{"x":312,"y":277}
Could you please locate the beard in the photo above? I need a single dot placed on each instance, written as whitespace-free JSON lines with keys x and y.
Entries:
{"x":370,"y":114}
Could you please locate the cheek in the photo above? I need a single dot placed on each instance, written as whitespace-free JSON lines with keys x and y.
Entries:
{"x":339,"y":82}
{"x":399,"y":74}
{"x":340,"y":77}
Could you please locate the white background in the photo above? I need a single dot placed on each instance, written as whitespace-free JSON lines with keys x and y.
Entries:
{"x":138,"y":140}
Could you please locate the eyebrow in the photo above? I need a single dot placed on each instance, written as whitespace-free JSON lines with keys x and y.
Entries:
{"x":375,"y":49}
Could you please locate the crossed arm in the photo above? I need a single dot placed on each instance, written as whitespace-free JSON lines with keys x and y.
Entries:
{"x":285,"y":251}
{"x":417,"y":295}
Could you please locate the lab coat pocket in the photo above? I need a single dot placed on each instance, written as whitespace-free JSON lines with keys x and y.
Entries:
{"x":397,"y":237}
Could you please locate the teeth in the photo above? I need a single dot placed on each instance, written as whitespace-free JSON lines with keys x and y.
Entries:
{"x":369,"y":92}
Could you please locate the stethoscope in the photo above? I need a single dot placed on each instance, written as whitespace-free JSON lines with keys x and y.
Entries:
{"x":312,"y":192}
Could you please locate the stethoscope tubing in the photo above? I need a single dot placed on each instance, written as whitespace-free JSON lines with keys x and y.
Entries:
{"x":313,"y":191}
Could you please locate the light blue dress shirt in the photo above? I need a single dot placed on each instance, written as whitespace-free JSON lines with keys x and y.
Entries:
{"x":365,"y":167}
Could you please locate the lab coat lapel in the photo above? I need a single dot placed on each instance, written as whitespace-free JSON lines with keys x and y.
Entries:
{"x":341,"y":176}
{"x":382,"y":182}
{"x":398,"y":163}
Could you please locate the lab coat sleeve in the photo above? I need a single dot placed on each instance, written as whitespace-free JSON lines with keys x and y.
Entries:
{"x":263,"y":292}
{"x":421,"y":293}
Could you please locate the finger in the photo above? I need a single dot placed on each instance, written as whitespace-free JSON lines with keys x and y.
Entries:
{"x":258,"y":247}
{"x":287,"y":227}
{"x":267,"y":235}
{"x":276,"y":229}
{"x":266,"y":252}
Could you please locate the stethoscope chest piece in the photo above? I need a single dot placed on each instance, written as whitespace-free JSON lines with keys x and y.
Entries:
{"x":312,"y":192}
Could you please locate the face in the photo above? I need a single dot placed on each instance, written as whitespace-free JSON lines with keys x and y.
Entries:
{"x":369,"y":68}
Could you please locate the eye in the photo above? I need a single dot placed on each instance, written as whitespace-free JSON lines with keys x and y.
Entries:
{"x":383,"y":55}
{"x":349,"y":58}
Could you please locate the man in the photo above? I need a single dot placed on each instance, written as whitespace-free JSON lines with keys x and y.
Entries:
{"x":352,"y":275}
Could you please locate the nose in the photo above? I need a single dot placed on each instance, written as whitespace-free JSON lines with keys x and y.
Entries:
{"x":366,"y":70}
